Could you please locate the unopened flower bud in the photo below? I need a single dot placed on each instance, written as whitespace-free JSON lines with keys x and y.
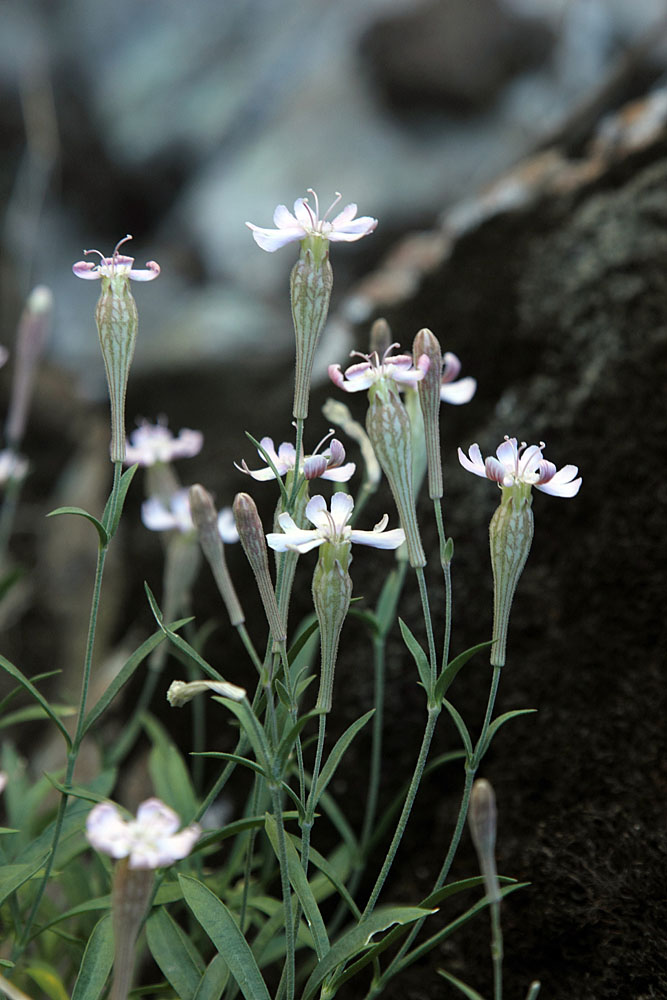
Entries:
{"x":205,"y":519}
{"x":429,"y":399}
{"x":482,"y":820}
{"x":380,"y":338}
{"x":510,"y":537}
{"x":253,"y":540}
{"x":388,"y":427}
{"x":310,"y":283}
{"x":332,"y":592}
{"x":31,"y":340}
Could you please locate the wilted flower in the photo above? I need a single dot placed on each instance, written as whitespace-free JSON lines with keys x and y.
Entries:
{"x":116,"y":266}
{"x":158,"y":515}
{"x":398,"y":367}
{"x":149,"y":841}
{"x":151,"y":443}
{"x":517,"y":464}
{"x":453,"y":389}
{"x":327,"y":464}
{"x":305,"y":222}
{"x":331,"y":526}
{"x":181,"y":692}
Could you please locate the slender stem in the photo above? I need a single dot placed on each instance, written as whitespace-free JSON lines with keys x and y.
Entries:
{"x":447,"y":574}
{"x":497,"y":951}
{"x":250,"y":842}
{"x":427,"y":622}
{"x":379,"y":646}
{"x":286,"y":891}
{"x":78,"y":736}
{"x":298,"y":448}
{"x":433,"y":714}
{"x":248,"y":643}
{"x":311,"y":805}
{"x":7,"y":514}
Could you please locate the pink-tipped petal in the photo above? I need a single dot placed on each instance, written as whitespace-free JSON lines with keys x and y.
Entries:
{"x":87,"y":270}
{"x":314,"y":466}
{"x":497,"y":471}
{"x":563,"y":484}
{"x":152,"y":271}
{"x":336,"y":376}
{"x":451,"y":366}
{"x":339,"y":474}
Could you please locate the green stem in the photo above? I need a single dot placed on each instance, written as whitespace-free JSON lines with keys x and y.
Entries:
{"x":286,"y":891}
{"x":433,"y":714}
{"x":7,"y":514}
{"x":296,"y":486}
{"x":427,"y":622}
{"x":379,"y":646}
{"x":447,"y":574}
{"x":76,"y":743}
{"x":497,"y":951}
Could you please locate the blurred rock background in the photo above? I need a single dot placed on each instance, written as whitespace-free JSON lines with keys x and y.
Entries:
{"x":522,"y":217}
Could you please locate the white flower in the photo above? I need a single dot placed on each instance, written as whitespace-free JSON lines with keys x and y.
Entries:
{"x":305,"y":222}
{"x":116,"y":266}
{"x":152,"y":443}
{"x":451,"y":391}
{"x":149,"y":841}
{"x":327,"y":464}
{"x":4,"y":778}
{"x":362,"y":375}
{"x":331,"y":527}
{"x":158,"y":515}
{"x":522,"y":464}
{"x":12,"y":466}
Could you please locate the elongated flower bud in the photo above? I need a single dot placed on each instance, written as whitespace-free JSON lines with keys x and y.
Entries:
{"x":332,"y":592}
{"x":310,"y":284}
{"x":380,"y":337}
{"x":31,"y":340}
{"x":388,"y":427}
{"x":205,"y":519}
{"x":482,"y":820}
{"x":510,"y":537}
{"x":429,"y":399}
{"x":338,"y":413}
{"x":253,"y":540}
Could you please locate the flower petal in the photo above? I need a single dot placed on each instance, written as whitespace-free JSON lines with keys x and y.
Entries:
{"x":562,"y":484}
{"x":379,"y":539}
{"x":342,"y":506}
{"x":283,"y":218}
{"x":459,"y":392}
{"x":340,"y":474}
{"x":273,"y":239}
{"x":475,"y":463}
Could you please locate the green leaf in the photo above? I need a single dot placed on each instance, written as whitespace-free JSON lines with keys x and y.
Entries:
{"x":460,"y":725}
{"x":126,"y":672}
{"x":31,"y":689}
{"x":123,"y":487}
{"x":336,"y":754}
{"x":223,"y":931}
{"x":358,"y":939}
{"x":171,"y":779}
{"x":178,"y":959}
{"x":452,"y":669}
{"x":180,"y":644}
{"x":289,"y":739}
{"x":418,"y":655}
{"x":47,"y":979}
{"x":34,"y":712}
{"x":332,"y":874}
{"x":96,"y":963}
{"x":388,"y":600}
{"x":467,"y":991}
{"x":12,"y":877}
{"x":301,"y":641}
{"x":253,"y":730}
{"x":237,"y":826}
{"x":214,"y":980}
{"x":80,"y":512}
{"x":500,"y":721}
{"x":299,"y":883}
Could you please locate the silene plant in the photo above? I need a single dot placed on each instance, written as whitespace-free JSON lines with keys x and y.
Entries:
{"x":282,"y":895}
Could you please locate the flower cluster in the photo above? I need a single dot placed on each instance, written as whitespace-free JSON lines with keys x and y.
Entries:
{"x":363,"y":374}
{"x":517,"y":464}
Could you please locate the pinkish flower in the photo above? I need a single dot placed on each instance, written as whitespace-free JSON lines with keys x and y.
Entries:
{"x":152,"y":443}
{"x":305,"y":222}
{"x":174,"y":515}
{"x":362,"y":375}
{"x":331,"y":526}
{"x":522,"y":464}
{"x":327,"y":464}
{"x":451,"y":391}
{"x":116,"y":266}
{"x":149,"y":841}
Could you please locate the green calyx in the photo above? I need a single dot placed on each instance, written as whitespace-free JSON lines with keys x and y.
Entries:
{"x":117,"y":323}
{"x":510,"y":537}
{"x":332,"y":592}
{"x":311,"y":282}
